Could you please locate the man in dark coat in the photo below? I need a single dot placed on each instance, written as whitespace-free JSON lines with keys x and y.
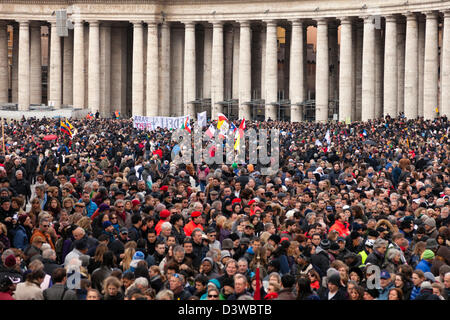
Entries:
{"x":59,"y":291}
{"x":321,"y":260}
{"x":288,"y":282}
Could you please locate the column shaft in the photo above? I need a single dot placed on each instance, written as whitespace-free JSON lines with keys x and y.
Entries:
{"x":217,"y":70}
{"x":138,"y":70}
{"x":271,"y":72}
{"x":445,"y":84}
{"x":164,"y":88}
{"x":35,"y":64}
{"x":245,"y":77}
{"x":4,"y":79}
{"x":390,"y":68}
{"x":401,"y":40}
{"x":296,"y":83}
{"x":379,"y":58}
{"x":152,"y":70}
{"x":68,"y":70}
{"x":236,"y":41}
{"x":368,"y":71}
{"x":189,"y":70}
{"x":15,"y":66}
{"x":322,"y":71}
{"x":411,"y":68}
{"x":78,"y":66}
{"x":430,"y":90}
{"x":24,"y":66}
{"x":105,"y":72}
{"x":420,"y":64}
{"x":345,"y":72}
{"x":94,"y":67}
{"x":55,"y":88}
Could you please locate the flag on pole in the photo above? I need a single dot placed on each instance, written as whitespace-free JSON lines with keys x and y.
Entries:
{"x":221,"y":120}
{"x":186,"y":125}
{"x":90,"y":116}
{"x":232,"y":127}
{"x":201,"y":119}
{"x":66,"y":127}
{"x":327,"y":137}
{"x":239,"y":135}
{"x":210,"y":131}
{"x":117,"y":114}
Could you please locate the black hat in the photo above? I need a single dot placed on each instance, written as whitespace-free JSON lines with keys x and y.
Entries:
{"x":325,"y":244}
{"x":275,"y":264}
{"x":335,"y":279}
{"x":373,"y":233}
{"x":234,"y":236}
{"x":334,"y":246}
{"x":275,"y":238}
{"x":354,"y":235}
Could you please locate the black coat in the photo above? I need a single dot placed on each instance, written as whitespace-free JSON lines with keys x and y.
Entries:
{"x":341,"y":294}
{"x":50,"y":266}
{"x":321,"y":262}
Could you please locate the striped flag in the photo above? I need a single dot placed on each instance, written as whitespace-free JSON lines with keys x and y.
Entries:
{"x":210,"y":131}
{"x":186,"y":125}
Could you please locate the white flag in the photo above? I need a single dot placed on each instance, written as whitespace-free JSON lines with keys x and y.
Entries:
{"x":201,"y":119}
{"x":327,"y":137}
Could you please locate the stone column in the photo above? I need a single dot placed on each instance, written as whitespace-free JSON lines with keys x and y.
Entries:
{"x":138,"y":70}
{"x":207,"y":60}
{"x":228,"y":62}
{"x":164,"y":76}
{"x":24,"y":66}
{"x":430,"y":90}
{"x":119,"y":68}
{"x":35,"y":64}
{"x":189,"y":70}
{"x":245,"y":77}
{"x":271,"y":71}
{"x":322,"y":71}
{"x":152,"y":69}
{"x":68,"y":69}
{"x":263,"y":38}
{"x":420,"y":63}
{"x":390,"y":67}
{"x":105,"y":72}
{"x":333,"y":60}
{"x":217,"y":69}
{"x":346,"y":71}
{"x":411,"y":69}
{"x":235,"y":78}
{"x":401,"y":39}
{"x":368,"y":71}
{"x":78,"y":65}
{"x":296,"y":83}
{"x":445,"y":68}
{"x":15,"y":65}
{"x":55,"y":85}
{"x":4,"y":79}
{"x":379,"y":58}
{"x":94,"y":67}
{"x":358,"y":72}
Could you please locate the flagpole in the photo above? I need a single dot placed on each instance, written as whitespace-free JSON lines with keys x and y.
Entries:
{"x":3,"y":137}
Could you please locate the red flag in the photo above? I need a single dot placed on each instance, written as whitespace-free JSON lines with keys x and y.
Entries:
{"x":257,"y":295}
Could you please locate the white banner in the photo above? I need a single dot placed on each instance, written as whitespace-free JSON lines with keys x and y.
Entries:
{"x":201,"y":119}
{"x":151,"y":123}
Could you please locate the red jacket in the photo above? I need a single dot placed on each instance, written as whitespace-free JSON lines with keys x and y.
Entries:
{"x":341,"y":228}
{"x":188,"y":228}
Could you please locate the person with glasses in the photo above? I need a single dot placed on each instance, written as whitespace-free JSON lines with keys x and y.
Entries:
{"x":43,"y":231}
{"x":214,"y":294}
{"x":176,"y":285}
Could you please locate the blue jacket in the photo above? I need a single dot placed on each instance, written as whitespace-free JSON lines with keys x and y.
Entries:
{"x":90,"y":208}
{"x":384,"y":293}
{"x":424,"y":265}
{"x":414,"y":293}
{"x":20,"y":238}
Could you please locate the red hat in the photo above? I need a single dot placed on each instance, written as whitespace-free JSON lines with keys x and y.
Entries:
{"x":135,"y":202}
{"x":10,"y":261}
{"x":164,"y":188}
{"x":284,"y":239}
{"x":73,"y":180}
{"x":164,"y":213}
{"x":196,"y":214}
{"x":251,"y":202}
{"x":237,"y":200}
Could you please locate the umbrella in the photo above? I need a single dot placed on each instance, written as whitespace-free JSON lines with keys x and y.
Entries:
{"x":50,"y":137}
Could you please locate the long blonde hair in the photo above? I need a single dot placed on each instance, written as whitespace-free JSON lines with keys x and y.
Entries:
{"x":128,"y":256}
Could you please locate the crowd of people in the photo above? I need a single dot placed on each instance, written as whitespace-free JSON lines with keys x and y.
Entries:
{"x":356,"y":211}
